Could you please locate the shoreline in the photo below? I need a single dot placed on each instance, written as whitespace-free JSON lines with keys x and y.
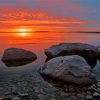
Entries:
{"x":28,"y":84}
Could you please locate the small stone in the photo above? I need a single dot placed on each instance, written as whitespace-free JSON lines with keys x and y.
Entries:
{"x":23,"y":95}
{"x":99,"y":83}
{"x":71,"y":89}
{"x":95,"y":94}
{"x":93,"y":86}
{"x":84,"y":88}
{"x":66,"y":89}
{"x":6,"y":99}
{"x":89,"y":92}
{"x":89,"y":97}
{"x":16,"y":98}
{"x":89,"y":88}
{"x":80,"y":96}
{"x":67,"y":94}
{"x":73,"y":97}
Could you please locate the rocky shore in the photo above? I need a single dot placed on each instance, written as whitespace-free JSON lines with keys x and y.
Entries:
{"x":66,"y":75}
{"x":29,"y":85}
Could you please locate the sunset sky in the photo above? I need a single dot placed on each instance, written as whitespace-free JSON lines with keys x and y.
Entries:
{"x":50,"y":15}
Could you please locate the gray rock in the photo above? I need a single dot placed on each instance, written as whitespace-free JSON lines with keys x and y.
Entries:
{"x":5,"y":99}
{"x":72,"y":69}
{"x":16,"y":98}
{"x":98,"y":82}
{"x":21,"y":56}
{"x":89,"y":97}
{"x":80,"y":96}
{"x":96,"y":94}
{"x":87,"y":51}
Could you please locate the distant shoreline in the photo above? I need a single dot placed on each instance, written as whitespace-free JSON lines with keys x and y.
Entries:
{"x":56,"y":31}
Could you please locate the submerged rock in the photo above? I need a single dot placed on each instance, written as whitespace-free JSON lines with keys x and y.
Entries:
{"x":73,"y":69}
{"x":87,"y":51}
{"x":16,"y":56}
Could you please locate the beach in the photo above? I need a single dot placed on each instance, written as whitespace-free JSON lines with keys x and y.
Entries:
{"x":26,"y":72}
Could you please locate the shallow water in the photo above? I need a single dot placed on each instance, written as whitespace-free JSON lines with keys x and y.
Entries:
{"x":39,"y":41}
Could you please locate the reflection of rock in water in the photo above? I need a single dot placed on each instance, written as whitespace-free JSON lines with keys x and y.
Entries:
{"x":18,"y":57}
{"x":17,"y":63}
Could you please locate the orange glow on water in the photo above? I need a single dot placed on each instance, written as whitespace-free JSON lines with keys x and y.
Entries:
{"x":22,"y":32}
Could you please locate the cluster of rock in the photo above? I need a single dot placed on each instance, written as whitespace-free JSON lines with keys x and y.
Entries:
{"x":87,"y":51}
{"x":68,"y":63}
{"x":71,"y":62}
{"x":95,"y":88}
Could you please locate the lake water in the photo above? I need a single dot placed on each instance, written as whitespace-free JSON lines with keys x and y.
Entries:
{"x":39,"y":41}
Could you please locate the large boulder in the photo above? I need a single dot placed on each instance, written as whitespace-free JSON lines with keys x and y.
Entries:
{"x":21,"y":56}
{"x":73,"y":69}
{"x":87,"y":51}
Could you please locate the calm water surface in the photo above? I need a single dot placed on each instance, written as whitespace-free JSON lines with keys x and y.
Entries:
{"x":39,"y":41}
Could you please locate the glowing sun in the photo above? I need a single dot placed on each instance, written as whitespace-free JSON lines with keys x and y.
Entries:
{"x":24,"y":32}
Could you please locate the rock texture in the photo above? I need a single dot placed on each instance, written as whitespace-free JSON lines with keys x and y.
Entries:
{"x":16,"y":56}
{"x":73,"y":69}
{"x":26,"y":84}
{"x":87,"y":51}
{"x":29,"y":85}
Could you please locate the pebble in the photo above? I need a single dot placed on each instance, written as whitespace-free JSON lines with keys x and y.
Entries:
{"x":95,"y":94}
{"x":89,"y":92}
{"x":72,"y":89}
{"x":23,"y":95}
{"x":89,"y":97}
{"x":70,"y":93}
{"x":6,"y":99}
{"x":16,"y":98}
{"x":79,"y":96}
{"x":99,"y":83}
{"x":73,"y":98}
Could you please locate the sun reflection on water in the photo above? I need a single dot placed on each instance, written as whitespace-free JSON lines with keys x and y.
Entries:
{"x":23,"y":32}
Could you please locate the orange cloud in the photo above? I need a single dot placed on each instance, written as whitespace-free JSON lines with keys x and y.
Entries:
{"x":13,"y":13}
{"x":14,"y":17}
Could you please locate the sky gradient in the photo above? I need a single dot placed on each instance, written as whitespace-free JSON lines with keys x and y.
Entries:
{"x":61,"y":15}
